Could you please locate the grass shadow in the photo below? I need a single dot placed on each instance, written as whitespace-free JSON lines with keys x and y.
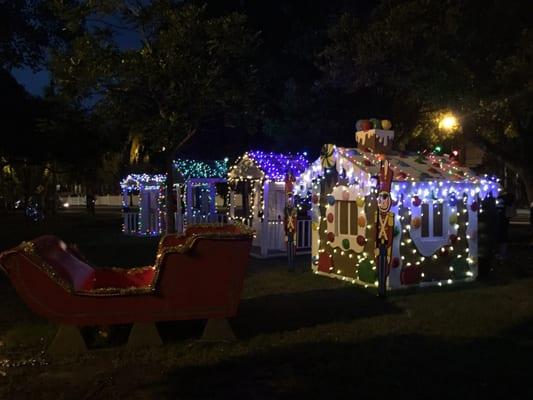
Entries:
{"x":409,"y":366}
{"x":292,"y":311}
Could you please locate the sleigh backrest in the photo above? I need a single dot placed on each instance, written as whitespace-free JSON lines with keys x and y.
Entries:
{"x":62,"y":263}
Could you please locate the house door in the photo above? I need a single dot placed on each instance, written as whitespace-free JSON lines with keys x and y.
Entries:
{"x":276,"y":210}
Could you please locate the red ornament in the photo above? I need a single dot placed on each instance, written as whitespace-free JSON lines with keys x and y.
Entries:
{"x":416,"y":201}
{"x":395,"y":262}
{"x":453,"y":238}
{"x":474,"y":206}
{"x":314,"y":199}
{"x":330,"y":218}
{"x":361,"y":240}
{"x":366,"y":125}
{"x":330,"y":236}
{"x":368,"y":163}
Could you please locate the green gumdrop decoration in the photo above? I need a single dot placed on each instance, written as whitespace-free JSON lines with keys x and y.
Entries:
{"x":366,"y":273}
{"x":345,"y":244}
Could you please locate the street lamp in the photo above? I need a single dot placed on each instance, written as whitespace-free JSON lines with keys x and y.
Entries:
{"x":448,"y":122}
{"x":450,"y":125}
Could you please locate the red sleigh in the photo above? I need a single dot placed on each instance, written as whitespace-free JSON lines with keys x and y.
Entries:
{"x":198,"y":275}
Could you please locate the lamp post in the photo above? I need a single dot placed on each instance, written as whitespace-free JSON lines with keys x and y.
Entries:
{"x":450,"y":124}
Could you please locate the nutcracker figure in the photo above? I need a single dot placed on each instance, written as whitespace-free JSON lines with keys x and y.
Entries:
{"x":385,"y":226}
{"x":290,"y":220}
{"x":289,"y":183}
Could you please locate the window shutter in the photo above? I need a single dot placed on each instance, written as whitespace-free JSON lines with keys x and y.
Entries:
{"x":425,"y":220}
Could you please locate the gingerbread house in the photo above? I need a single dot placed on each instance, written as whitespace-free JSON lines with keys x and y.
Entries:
{"x":431,"y":227}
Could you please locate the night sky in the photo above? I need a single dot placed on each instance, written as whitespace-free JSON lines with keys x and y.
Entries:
{"x":36,"y":81}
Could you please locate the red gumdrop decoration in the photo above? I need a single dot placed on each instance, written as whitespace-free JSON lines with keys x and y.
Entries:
{"x":416,"y":201}
{"x":330,"y":218}
{"x":366,"y":125}
{"x":474,"y":206}
{"x":330,"y":236}
{"x":315,"y":199}
{"x":361,"y":240}
{"x":395,"y":262}
{"x":453,"y":238}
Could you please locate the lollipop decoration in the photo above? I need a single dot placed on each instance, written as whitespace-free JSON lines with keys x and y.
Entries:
{"x":386,"y":124}
{"x":327,"y":156}
{"x":376,"y":123}
{"x":365,"y":125}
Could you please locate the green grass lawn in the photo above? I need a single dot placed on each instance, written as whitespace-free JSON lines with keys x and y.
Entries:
{"x":299,"y":335}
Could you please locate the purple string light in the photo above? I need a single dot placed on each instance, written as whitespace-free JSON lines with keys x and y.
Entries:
{"x":276,"y":165}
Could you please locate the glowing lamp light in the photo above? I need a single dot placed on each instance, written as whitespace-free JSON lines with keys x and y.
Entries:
{"x":448,"y":122}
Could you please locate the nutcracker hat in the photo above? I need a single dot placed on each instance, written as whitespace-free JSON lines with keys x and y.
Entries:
{"x":385,"y":177}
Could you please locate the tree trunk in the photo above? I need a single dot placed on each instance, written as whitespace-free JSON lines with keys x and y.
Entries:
{"x":528,"y":183}
{"x":169,"y":198}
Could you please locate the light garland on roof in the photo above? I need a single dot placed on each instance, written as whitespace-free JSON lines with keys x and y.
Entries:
{"x":201,"y":169}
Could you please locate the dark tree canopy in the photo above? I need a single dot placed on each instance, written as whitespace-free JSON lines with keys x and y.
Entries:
{"x":427,"y":57}
{"x":188,"y":71}
{"x":27,"y":27}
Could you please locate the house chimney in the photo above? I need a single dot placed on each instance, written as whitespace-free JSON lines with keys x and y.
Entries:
{"x":374,"y":135}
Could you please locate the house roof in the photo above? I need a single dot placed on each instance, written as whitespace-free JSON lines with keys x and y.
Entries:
{"x":413,"y":172}
{"x":271,"y":165}
{"x":144,"y":181}
{"x":195,"y":169}
{"x":407,"y":166}
{"x":185,"y":168}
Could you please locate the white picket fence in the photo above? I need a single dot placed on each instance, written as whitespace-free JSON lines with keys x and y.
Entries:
{"x":131,"y":222}
{"x":275,"y":239}
{"x":80,"y":201}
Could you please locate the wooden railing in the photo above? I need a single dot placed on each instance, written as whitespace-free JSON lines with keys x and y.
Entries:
{"x":182,"y":222}
{"x":276,"y":235}
{"x":303,"y":240}
{"x":131,"y":223}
